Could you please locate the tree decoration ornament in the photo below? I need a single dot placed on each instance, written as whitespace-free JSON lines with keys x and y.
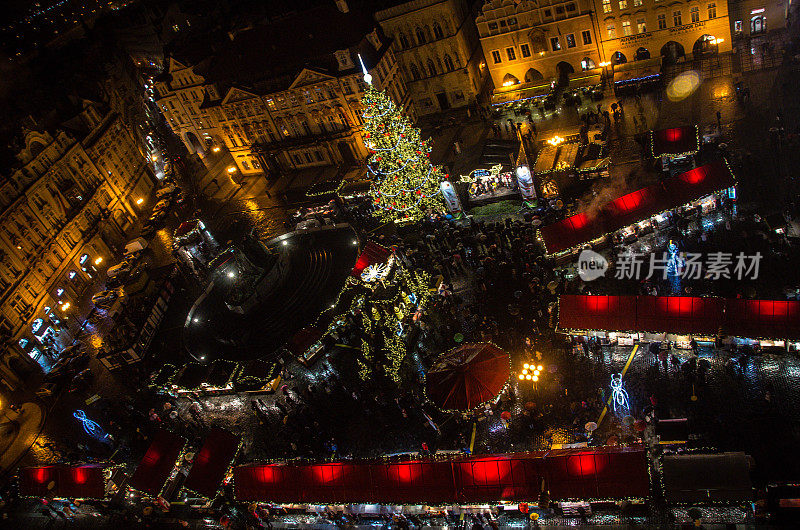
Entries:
{"x":404,"y":183}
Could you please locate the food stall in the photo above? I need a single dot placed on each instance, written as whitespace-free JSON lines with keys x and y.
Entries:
{"x":637,"y":76}
{"x":675,"y":148}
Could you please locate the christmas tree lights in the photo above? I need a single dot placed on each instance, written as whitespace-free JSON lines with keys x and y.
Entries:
{"x":405,"y":185}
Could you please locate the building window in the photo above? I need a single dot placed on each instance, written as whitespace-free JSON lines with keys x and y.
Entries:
{"x":637,"y":3}
{"x":606,"y":6}
{"x":626,"y":27}
{"x":548,"y":13}
{"x":496,"y":57}
{"x":662,"y":21}
{"x":695,"y":14}
{"x":245,"y":165}
{"x":511,"y":54}
{"x":587,"y":37}
{"x":525,"y":50}
{"x":437,"y":31}
{"x":555,"y":44}
{"x":712,"y":11}
{"x":492,"y":26}
{"x":431,"y":68}
{"x":641,"y":26}
{"x":612,"y":31}
{"x":448,"y":63}
{"x":570,"y":8}
{"x":737,"y":27}
{"x":676,"y":18}
{"x":559,"y":10}
{"x":414,"y":71}
{"x":420,"y":36}
{"x":570,"y":38}
{"x":623,"y":4}
{"x":512,"y":21}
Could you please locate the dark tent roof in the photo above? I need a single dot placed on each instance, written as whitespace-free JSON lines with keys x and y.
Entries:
{"x":157,"y":462}
{"x":707,"y":478}
{"x":633,"y":207}
{"x":598,"y":473}
{"x":211,"y":462}
{"x":70,"y":482}
{"x":675,"y":141}
{"x":771,"y":319}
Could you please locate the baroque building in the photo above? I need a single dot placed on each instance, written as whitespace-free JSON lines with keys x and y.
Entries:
{"x":66,"y":202}
{"x":532,"y":42}
{"x":437,"y":47}
{"x":283,"y":96}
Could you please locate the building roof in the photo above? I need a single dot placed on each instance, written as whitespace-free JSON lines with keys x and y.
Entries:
{"x":270,"y":56}
{"x":675,"y":141}
{"x":635,"y":206}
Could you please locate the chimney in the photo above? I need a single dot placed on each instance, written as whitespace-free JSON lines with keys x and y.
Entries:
{"x":342,"y":6}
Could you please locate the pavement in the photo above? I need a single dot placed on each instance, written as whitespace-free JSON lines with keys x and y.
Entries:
{"x":20,"y":431}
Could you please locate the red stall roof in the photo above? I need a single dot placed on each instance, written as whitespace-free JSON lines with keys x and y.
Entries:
{"x":772,"y":319}
{"x":157,"y":463}
{"x":371,"y":254}
{"x":672,"y":314}
{"x":675,"y":141}
{"x":633,"y":207}
{"x":597,"y":473}
{"x":70,"y":482}
{"x":211,"y":462}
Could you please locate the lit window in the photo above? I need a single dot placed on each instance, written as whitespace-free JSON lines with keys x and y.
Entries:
{"x":637,"y":3}
{"x":737,"y":26}
{"x":72,"y":274}
{"x":606,"y":6}
{"x":641,"y":26}
{"x":570,"y":38}
{"x":555,"y":44}
{"x":23,"y":342}
{"x":612,"y":31}
{"x":83,"y":259}
{"x":623,"y":4}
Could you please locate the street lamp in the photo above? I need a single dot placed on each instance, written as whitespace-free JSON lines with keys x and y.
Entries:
{"x":98,"y":261}
{"x":139,"y":201}
{"x":231,"y":169}
{"x":531,"y":372}
{"x":215,"y":149}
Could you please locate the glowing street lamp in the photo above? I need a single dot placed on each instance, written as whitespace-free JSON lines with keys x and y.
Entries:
{"x":555,"y":141}
{"x":531,"y":372}
{"x":231,"y":169}
{"x":215,"y":149}
{"x":139,"y":201}
{"x":98,"y":261}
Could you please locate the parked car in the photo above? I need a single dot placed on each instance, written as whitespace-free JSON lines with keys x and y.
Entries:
{"x":104,"y":298}
{"x":163,"y":204}
{"x":119,"y":268}
{"x":165,"y":191}
{"x":134,"y":247}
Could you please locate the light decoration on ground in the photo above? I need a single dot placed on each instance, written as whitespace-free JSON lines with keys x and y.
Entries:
{"x":405,"y":185}
{"x":619,"y":396}
{"x":555,"y":140}
{"x":91,"y":427}
{"x":377,"y":271}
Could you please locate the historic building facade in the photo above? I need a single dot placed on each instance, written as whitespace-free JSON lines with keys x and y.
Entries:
{"x":65,"y":206}
{"x":754,"y":18}
{"x":437,"y":46}
{"x":289,"y":106}
{"x":526,"y":42}
{"x":676,"y":30}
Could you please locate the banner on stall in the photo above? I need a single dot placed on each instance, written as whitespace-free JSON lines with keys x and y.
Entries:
{"x":525,"y":181}
{"x":450,"y":197}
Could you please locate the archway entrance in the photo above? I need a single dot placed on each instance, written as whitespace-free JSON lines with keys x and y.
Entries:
{"x":564,"y":69}
{"x":704,"y":46}
{"x":641,"y":54}
{"x":672,"y":51}
{"x":758,"y":24}
{"x":509,"y":80}
{"x":533,"y":75}
{"x":587,"y":64}
{"x":618,"y":58}
{"x":194,"y":142}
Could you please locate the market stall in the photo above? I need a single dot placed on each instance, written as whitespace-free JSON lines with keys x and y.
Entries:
{"x":157,"y":463}
{"x":211,"y":462}
{"x":637,"y":76}
{"x":689,"y":191}
{"x":524,"y":91}
{"x":63,"y":482}
{"x":675,"y":147}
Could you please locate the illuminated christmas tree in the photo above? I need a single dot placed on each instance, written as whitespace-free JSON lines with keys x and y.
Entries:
{"x":405,"y":185}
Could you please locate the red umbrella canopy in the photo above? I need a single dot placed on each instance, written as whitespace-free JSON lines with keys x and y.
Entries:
{"x":467,"y":376}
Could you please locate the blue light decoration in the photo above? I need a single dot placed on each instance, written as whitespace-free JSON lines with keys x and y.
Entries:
{"x":91,"y":427}
{"x":619,"y":396}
